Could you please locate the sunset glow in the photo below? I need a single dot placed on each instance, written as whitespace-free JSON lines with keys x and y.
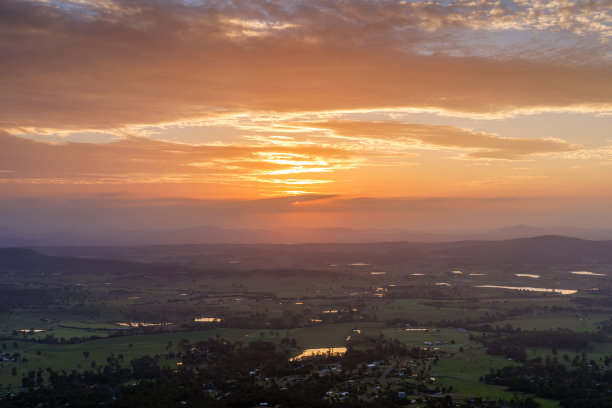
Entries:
{"x":412,"y":114}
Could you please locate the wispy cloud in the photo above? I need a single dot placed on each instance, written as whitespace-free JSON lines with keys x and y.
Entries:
{"x":473,"y":144}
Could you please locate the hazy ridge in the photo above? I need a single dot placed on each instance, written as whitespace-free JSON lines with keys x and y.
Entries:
{"x":545,"y":250}
{"x":216,"y":235}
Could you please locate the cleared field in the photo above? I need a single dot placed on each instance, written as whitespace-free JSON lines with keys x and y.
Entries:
{"x":332,"y":335}
{"x":469,"y":365}
{"x":466,"y":389}
{"x":70,"y":356}
{"x":319,"y":306}
{"x":449,"y":339}
{"x":569,"y":320}
{"x":417,"y":310}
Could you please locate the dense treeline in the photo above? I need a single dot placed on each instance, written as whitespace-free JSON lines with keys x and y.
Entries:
{"x":18,"y":296}
{"x":27,"y":262}
{"x":586,"y":385}
{"x":258,"y":355}
{"x":167,"y":388}
{"x":512,"y":344}
{"x":217,"y":373}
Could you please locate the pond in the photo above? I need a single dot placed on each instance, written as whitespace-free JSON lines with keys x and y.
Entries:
{"x":142,"y":324}
{"x":561,"y":291}
{"x":588,"y":273}
{"x":335,"y":351}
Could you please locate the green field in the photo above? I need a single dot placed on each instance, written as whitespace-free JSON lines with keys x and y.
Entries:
{"x":317,"y":306}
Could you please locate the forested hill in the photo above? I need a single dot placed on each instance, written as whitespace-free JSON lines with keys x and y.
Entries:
{"x":27,"y":261}
{"x":548,"y":249}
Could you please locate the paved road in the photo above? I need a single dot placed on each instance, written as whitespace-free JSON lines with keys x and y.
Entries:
{"x":10,"y":320}
{"x":384,"y":375}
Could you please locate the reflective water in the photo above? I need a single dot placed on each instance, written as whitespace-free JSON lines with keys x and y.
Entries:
{"x":588,"y":273}
{"x":336,"y":351}
{"x":561,"y":291}
{"x":207,"y":319}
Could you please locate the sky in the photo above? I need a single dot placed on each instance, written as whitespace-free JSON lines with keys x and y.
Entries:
{"x":370,"y":114}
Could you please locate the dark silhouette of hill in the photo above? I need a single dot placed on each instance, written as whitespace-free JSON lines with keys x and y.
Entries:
{"x":27,"y":261}
{"x":548,"y":249}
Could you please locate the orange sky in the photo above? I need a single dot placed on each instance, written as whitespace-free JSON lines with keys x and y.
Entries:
{"x":217,"y":103}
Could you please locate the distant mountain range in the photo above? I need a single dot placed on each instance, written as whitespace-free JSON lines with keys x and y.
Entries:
{"x":215,"y":235}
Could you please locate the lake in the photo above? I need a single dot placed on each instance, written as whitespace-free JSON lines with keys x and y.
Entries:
{"x":207,"y":319}
{"x":336,"y":351}
{"x":561,"y":291}
{"x":588,"y":273}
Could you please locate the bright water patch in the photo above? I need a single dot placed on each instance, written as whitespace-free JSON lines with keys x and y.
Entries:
{"x":588,"y":273}
{"x":334,"y":351}
{"x":142,"y":324}
{"x":561,"y":291}
{"x":207,"y":319}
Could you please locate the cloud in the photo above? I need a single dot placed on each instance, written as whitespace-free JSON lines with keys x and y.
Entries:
{"x":476,"y":145}
{"x":581,"y":17}
{"x":99,"y":65}
{"x":142,"y":160}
